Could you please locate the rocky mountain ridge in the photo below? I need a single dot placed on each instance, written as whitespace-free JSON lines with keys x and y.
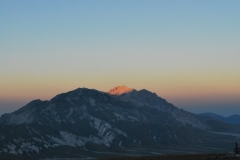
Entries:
{"x":88,"y":121}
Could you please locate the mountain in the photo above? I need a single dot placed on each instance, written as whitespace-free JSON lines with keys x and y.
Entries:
{"x":87,"y":123}
{"x":119,"y":90}
{"x":233,"y":119}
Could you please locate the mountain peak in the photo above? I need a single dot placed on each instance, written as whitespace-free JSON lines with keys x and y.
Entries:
{"x":119,"y":90}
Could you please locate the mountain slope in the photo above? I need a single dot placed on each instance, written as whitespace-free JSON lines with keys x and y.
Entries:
{"x":233,"y":119}
{"x":87,"y":122}
{"x":146,"y":98}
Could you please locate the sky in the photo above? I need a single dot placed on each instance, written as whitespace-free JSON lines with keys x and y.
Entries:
{"x":187,"y":52}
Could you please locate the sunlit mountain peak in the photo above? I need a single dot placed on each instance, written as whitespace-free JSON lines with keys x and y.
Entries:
{"x":119,"y":90}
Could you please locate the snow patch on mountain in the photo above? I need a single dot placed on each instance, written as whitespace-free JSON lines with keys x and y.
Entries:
{"x":120,"y":132}
{"x":119,"y":116}
{"x":105,"y":130}
{"x":133,"y":118}
{"x":188,"y":118}
{"x":71,"y":139}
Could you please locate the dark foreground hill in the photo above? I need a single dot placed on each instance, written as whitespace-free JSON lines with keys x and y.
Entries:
{"x":216,"y":156}
{"x":86,"y":123}
{"x":178,"y":157}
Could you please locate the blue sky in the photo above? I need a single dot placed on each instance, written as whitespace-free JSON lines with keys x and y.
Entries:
{"x":186,"y":51}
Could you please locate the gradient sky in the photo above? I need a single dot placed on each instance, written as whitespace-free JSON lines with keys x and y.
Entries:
{"x":187,"y":51}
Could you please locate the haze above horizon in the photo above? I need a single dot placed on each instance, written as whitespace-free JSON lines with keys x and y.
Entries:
{"x":188,"y":51}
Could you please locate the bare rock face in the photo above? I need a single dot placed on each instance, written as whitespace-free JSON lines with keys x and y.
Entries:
{"x":87,"y":121}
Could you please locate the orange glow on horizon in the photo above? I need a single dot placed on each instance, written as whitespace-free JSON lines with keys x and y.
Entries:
{"x":177,"y":86}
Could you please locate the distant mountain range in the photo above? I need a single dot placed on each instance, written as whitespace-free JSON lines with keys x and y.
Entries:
{"x":87,"y":123}
{"x":234,"y":119}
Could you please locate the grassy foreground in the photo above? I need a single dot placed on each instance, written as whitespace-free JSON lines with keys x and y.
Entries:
{"x":176,"y":157}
